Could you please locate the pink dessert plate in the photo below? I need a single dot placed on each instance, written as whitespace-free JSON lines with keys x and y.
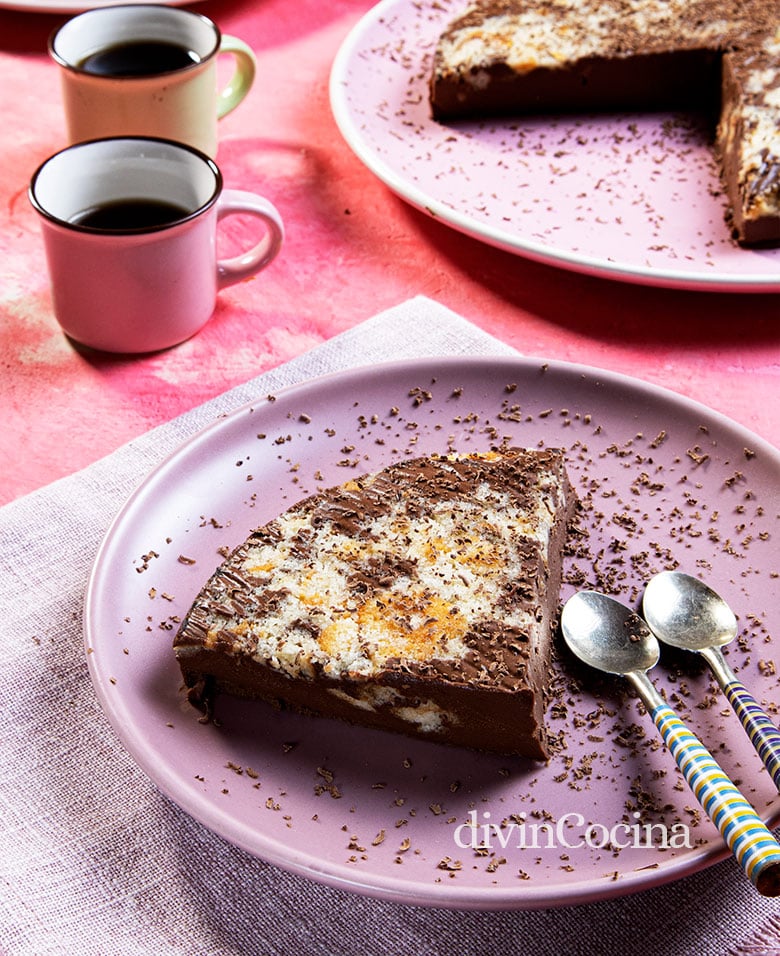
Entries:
{"x":663,"y":482}
{"x":635,"y":197}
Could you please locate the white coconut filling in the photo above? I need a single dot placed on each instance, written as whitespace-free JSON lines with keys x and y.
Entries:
{"x":556,"y":34}
{"x":426,"y":715}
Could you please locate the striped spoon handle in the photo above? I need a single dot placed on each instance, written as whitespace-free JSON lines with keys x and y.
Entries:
{"x":756,"y":850}
{"x":763,"y":734}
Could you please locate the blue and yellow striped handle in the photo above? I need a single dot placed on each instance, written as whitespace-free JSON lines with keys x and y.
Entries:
{"x":756,"y":850}
{"x":763,"y":734}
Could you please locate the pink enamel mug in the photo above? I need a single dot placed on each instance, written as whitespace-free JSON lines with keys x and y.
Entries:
{"x":130,"y":233}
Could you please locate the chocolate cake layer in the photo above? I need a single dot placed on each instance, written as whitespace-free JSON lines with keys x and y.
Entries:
{"x":419,"y":599}
{"x":534,"y":56}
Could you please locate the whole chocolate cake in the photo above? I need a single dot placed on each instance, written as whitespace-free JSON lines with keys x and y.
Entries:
{"x":420,"y":599}
{"x":521,"y":56}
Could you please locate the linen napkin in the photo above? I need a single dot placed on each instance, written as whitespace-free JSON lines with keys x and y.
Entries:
{"x":88,"y":865}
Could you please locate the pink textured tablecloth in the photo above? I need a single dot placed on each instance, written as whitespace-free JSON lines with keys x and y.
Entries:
{"x":352,"y":248}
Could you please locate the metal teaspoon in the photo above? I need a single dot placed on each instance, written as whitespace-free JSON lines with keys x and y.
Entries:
{"x":684,"y":612}
{"x":610,"y":637}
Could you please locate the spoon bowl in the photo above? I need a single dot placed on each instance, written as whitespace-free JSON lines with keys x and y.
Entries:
{"x":607,"y":635}
{"x":684,"y":612}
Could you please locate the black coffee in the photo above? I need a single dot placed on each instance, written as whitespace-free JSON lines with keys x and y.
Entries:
{"x":138,"y":58}
{"x":122,"y":215}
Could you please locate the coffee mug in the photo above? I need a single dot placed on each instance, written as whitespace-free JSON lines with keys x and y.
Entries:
{"x":147,"y":70}
{"x":130,"y":233}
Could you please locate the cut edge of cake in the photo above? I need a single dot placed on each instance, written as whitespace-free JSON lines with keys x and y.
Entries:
{"x":503,"y":57}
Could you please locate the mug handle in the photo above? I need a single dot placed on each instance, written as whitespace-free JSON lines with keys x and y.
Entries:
{"x":243,"y":76}
{"x":232,"y":202}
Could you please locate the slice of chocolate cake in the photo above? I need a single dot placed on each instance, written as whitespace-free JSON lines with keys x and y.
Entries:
{"x":419,"y":599}
{"x":522,"y":56}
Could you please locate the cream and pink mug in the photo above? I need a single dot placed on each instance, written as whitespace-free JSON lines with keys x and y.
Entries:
{"x":148,"y":70}
{"x":130,"y":233}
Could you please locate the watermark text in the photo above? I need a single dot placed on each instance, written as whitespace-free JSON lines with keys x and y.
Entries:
{"x":570,"y":831}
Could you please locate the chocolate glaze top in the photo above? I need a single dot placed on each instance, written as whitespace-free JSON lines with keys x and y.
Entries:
{"x":433,"y":568}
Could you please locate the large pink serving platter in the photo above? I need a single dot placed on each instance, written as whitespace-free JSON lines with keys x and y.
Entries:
{"x":635,"y":197}
{"x":663,"y":481}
